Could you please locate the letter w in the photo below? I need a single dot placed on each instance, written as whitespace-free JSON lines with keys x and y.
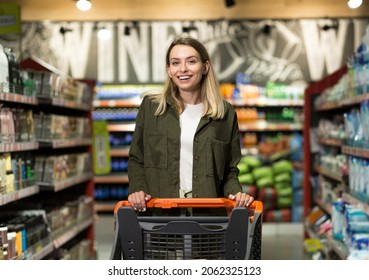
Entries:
{"x":324,"y":48}
{"x":75,"y":50}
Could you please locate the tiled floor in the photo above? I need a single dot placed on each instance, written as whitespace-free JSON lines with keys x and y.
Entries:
{"x":280,"y":241}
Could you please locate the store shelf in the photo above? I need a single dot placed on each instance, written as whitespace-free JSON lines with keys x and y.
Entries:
{"x":326,"y":207}
{"x":65,"y":143}
{"x":41,"y":251}
{"x":262,"y":125}
{"x":117,"y":105}
{"x":114,"y":103}
{"x":18,"y":146}
{"x":267,"y":102}
{"x":359,"y":152}
{"x":334,"y":176}
{"x":18,"y":98}
{"x":119,"y":151}
{"x":324,"y":247}
{"x":29,"y":116}
{"x":70,"y":232}
{"x":61,"y":185}
{"x":17,"y":195}
{"x":119,"y":178}
{"x":346,"y":102}
{"x":129,"y":127}
{"x":330,"y":141}
{"x":328,"y":243}
{"x":58,"y":102}
{"x":338,"y":186}
{"x":48,"y":245}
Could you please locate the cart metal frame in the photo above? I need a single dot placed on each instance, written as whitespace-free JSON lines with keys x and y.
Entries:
{"x":235,"y":236}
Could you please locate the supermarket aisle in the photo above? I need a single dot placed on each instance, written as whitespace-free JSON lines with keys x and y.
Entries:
{"x":104,"y":234}
{"x":283,"y":241}
{"x":280,"y":241}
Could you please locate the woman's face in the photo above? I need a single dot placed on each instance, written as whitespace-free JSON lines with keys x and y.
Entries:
{"x":186,"y":68}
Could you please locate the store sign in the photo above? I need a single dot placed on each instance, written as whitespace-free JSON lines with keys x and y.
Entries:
{"x":282,"y":51}
{"x":9,"y":18}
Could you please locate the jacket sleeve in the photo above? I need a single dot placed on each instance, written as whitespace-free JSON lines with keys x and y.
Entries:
{"x":231,"y":183}
{"x":136,"y":171}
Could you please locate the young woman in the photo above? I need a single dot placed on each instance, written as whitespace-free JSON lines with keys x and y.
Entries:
{"x":186,"y":142}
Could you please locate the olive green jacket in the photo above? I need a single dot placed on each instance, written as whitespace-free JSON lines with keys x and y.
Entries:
{"x":153,"y":165}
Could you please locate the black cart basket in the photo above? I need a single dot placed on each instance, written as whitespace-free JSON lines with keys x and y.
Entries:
{"x":234,"y":236}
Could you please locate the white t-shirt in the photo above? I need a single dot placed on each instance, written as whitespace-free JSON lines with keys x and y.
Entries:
{"x":189,"y":121}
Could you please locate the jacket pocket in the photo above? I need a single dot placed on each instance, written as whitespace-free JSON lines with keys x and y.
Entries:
{"x":216,"y":156}
{"x":156,"y":146}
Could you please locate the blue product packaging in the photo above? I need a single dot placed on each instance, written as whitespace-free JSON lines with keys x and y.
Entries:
{"x":360,"y":241}
{"x":338,"y":219}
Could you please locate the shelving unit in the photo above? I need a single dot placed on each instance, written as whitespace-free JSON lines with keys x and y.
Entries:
{"x":265,"y":126}
{"x":46,"y":198}
{"x":118,"y":106}
{"x":310,"y":122}
{"x":317,"y":194}
{"x":78,"y":186}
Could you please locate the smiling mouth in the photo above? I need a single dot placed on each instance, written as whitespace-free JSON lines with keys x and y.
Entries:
{"x":183,"y":78}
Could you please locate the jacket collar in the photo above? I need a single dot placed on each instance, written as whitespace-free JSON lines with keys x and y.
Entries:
{"x":204,"y":120}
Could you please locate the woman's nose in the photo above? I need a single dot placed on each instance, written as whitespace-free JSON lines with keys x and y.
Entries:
{"x":183,"y":67}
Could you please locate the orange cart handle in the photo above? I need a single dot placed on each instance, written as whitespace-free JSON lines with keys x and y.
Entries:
{"x":167,"y":203}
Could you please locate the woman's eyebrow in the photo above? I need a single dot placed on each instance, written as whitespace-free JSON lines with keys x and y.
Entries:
{"x":189,"y":57}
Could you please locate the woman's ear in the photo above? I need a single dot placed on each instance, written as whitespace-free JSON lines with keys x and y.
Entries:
{"x":206,"y":67}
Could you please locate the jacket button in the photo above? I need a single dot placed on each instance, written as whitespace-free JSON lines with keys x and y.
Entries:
{"x":195,"y":177}
{"x":196,"y":139}
{"x":197,"y":158}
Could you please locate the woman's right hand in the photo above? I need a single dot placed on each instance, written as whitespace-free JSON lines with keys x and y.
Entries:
{"x":138,"y":200}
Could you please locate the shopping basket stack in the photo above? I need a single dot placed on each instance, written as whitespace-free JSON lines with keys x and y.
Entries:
{"x":234,"y":236}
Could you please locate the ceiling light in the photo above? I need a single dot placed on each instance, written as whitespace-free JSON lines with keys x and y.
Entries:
{"x":83,"y":5}
{"x":353,"y":4}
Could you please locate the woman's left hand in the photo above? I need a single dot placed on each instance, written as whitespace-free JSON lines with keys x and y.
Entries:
{"x":241,"y":199}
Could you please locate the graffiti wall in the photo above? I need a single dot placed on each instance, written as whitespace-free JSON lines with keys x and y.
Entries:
{"x":284,"y":51}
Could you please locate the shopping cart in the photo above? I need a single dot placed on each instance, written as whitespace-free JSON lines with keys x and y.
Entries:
{"x":236,"y":235}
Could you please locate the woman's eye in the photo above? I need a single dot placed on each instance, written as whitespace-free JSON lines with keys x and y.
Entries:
{"x":192,"y":62}
{"x":175,"y":63}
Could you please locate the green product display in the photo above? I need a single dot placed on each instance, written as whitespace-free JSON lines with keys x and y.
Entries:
{"x":101,"y":148}
{"x":282,"y":166}
{"x":251,"y":161}
{"x":285,"y":192}
{"x":283,"y":177}
{"x":262,"y":171}
{"x":264,"y":182}
{"x":247,"y":178}
{"x":282,"y":185}
{"x":243,"y":167}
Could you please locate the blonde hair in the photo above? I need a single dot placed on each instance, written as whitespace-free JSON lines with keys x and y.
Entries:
{"x":210,"y":94}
